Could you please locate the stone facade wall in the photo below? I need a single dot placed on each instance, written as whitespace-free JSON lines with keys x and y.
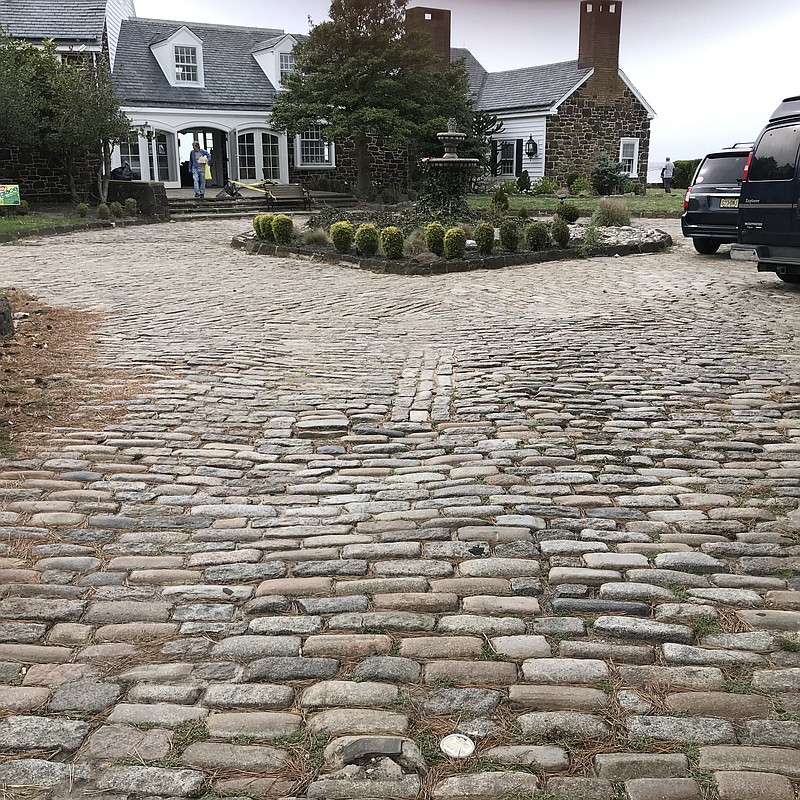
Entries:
{"x":590,"y":123}
{"x":390,"y":168}
{"x":40,"y":178}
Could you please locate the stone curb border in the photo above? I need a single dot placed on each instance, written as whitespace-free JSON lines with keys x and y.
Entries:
{"x":254,"y":247}
{"x":56,"y":230}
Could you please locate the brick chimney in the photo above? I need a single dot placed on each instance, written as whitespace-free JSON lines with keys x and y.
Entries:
{"x":598,"y":45}
{"x":435,"y":22}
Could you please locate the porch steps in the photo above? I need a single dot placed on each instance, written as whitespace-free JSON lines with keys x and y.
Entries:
{"x":210,"y":207}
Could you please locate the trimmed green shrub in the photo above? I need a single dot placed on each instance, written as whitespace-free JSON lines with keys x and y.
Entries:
{"x":131,"y":206}
{"x":569,"y":212}
{"x":262,"y":225}
{"x":103,"y":212}
{"x":484,"y":238}
{"x":81,"y":209}
{"x":282,"y":228}
{"x":523,"y":214}
{"x":342,"y":236}
{"x":455,"y":243}
{"x":392,"y":242}
{"x":608,"y":176}
{"x":524,"y":181}
{"x":536,"y":236}
{"x":434,"y":238}
{"x":509,"y":235}
{"x":544,"y":187}
{"x":611,"y":212}
{"x":499,"y":204}
{"x":559,"y":230}
{"x":367,"y":239}
{"x":116,"y":209}
{"x":580,"y":185}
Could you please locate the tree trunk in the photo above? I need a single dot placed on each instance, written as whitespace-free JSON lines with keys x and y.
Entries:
{"x":104,"y":172}
{"x":69,"y":171}
{"x":363,"y":166}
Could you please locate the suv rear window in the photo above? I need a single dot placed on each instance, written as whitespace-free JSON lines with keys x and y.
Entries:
{"x":775,"y":157}
{"x":721,"y":169}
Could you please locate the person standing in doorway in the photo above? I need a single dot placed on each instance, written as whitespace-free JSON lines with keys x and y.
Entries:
{"x":666,"y":175}
{"x":198,"y":159}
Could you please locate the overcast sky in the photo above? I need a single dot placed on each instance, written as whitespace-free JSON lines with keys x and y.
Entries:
{"x":713,"y":70}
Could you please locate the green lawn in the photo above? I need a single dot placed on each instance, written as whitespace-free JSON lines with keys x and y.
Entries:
{"x":656,"y":200}
{"x":32,"y":222}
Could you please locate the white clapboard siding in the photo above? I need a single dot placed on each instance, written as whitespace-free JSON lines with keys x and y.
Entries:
{"x":523,"y":127}
{"x":116,"y":11}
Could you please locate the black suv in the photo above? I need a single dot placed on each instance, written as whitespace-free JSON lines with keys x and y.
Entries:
{"x":711,"y":206}
{"x":769,"y":218}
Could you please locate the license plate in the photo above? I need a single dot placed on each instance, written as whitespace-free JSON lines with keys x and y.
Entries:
{"x":729,"y":202}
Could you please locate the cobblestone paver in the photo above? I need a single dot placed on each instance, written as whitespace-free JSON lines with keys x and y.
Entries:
{"x":554,"y":508}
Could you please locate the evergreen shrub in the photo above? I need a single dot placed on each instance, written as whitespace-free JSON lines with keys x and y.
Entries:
{"x":509,"y":235}
{"x":367,"y":239}
{"x":342,"y":236}
{"x":434,"y":238}
{"x":455,"y":243}
{"x":536,"y":236}
{"x":569,"y":212}
{"x":282,"y":228}
{"x":392,"y":242}
{"x":484,"y":238}
{"x":560,"y":232}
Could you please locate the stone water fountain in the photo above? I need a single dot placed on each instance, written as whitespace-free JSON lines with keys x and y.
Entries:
{"x":447,"y":177}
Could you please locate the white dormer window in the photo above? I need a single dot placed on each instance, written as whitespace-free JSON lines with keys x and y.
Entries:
{"x":180,"y":56}
{"x":185,"y":64}
{"x":287,"y":65}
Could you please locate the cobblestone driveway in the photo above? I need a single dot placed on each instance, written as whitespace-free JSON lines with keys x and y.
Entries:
{"x":551,"y":507}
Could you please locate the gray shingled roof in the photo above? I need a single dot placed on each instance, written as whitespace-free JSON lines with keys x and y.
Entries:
{"x":530,"y":88}
{"x":475,"y":72}
{"x":233,"y":78}
{"x":62,"y":20}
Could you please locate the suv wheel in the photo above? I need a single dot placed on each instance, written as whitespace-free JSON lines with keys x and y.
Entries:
{"x":706,"y":246}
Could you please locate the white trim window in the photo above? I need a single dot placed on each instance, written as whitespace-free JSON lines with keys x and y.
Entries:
{"x":287,"y":65}
{"x":629,"y":156}
{"x":186,"y":70}
{"x":313,"y":151}
{"x":507,"y":159}
{"x":246,"y":151}
{"x":129,"y":153}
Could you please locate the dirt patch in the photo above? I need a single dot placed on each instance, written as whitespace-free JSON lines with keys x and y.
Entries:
{"x":49,"y":378}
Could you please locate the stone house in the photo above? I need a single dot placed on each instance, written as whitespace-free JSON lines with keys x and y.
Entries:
{"x":558,"y":118}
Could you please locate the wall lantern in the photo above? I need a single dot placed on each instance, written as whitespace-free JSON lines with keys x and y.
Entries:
{"x":531,"y":148}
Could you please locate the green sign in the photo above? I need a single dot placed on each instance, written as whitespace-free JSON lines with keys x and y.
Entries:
{"x":9,"y":195}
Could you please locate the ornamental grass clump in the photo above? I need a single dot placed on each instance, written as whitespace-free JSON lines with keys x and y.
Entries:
{"x":455,"y":243}
{"x":569,"y":212}
{"x":434,"y":238}
{"x":484,"y":238}
{"x":282,"y":228}
{"x":509,"y":235}
{"x":392,"y":242}
{"x":367,"y":239}
{"x":536,"y":236}
{"x":342,"y":236}
{"x":612,"y":212}
{"x":560,"y":232}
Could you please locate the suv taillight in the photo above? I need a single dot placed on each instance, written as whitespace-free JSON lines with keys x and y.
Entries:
{"x":747,"y":166}
{"x":686,"y":198}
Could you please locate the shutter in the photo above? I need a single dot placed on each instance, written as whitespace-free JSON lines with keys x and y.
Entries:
{"x":493,"y":165}
{"x":518,"y":154}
